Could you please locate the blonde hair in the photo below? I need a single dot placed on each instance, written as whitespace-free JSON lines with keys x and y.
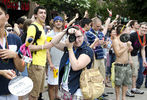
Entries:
{"x":95,"y":20}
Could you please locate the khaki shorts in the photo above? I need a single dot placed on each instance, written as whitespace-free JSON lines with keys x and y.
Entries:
{"x":37,"y":74}
{"x":101,"y":66}
{"x":123,"y":75}
{"x":135,"y":66}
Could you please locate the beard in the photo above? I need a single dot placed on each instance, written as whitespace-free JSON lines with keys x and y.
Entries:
{"x":59,"y":27}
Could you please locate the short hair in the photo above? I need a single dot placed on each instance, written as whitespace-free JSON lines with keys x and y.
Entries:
{"x":8,"y":25}
{"x":95,"y":20}
{"x":20,"y":20}
{"x":132,"y":23}
{"x":3,"y":7}
{"x":143,"y":23}
{"x":85,"y":21}
{"x":120,"y":28}
{"x":37,"y":8}
{"x":26,"y":23}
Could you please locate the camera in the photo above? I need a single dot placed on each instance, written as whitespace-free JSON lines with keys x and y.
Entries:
{"x":125,"y":37}
{"x":72,"y":36}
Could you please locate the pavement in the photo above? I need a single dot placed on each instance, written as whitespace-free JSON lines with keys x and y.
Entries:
{"x":137,"y":96}
{"x":107,"y":91}
{"x":112,"y":96}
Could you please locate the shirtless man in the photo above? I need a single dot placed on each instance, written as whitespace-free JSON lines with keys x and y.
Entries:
{"x":123,"y":73}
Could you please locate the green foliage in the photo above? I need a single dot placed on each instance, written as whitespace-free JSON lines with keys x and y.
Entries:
{"x":93,"y":8}
{"x":138,"y":9}
{"x":134,"y":9}
{"x":19,"y":0}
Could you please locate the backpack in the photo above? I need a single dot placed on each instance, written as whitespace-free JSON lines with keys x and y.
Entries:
{"x":37,"y":36}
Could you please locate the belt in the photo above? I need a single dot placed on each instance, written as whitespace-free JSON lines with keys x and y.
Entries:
{"x":122,"y":65}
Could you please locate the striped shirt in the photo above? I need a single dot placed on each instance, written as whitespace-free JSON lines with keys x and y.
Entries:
{"x":91,"y":35}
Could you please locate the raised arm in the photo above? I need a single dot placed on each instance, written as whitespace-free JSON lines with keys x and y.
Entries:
{"x":107,"y":22}
{"x":16,"y":29}
{"x":56,"y":41}
{"x":115,"y":20}
{"x":73,"y":20}
{"x":86,"y":15}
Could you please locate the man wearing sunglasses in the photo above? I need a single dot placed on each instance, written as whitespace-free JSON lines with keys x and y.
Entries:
{"x":9,"y":28}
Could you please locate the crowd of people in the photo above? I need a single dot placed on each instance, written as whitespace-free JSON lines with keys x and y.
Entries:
{"x":61,"y":50}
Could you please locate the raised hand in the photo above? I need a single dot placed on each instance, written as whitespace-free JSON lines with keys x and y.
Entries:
{"x":110,"y":12}
{"x":77,"y":15}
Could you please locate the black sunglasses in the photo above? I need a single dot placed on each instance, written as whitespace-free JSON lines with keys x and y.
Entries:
{"x":10,"y":30}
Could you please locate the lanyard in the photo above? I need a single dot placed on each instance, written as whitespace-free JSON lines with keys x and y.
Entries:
{"x":67,"y":68}
{"x":5,"y":42}
{"x":5,"y":46}
{"x":144,"y":40}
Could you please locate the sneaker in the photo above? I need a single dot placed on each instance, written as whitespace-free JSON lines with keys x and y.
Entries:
{"x":138,"y":87}
{"x":101,"y":98}
{"x":137,"y":91}
{"x":129,"y":94}
{"x":57,"y":99}
{"x":104,"y":95}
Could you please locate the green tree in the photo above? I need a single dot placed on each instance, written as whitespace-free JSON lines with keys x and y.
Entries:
{"x":134,"y":9}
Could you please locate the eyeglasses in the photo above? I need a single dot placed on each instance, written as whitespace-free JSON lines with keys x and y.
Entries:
{"x":98,"y":26}
{"x":77,"y":37}
{"x":10,"y":30}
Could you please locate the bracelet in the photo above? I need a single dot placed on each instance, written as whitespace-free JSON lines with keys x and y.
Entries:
{"x":110,"y":15}
{"x":42,"y":47}
{"x":52,"y":43}
{"x":69,"y":49}
{"x":23,"y":63}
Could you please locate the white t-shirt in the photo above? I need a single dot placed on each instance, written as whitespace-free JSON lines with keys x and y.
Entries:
{"x":56,"y":55}
{"x":65,"y":81}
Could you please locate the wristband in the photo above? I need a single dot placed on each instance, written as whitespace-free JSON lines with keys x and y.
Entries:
{"x":23,"y":63}
{"x":110,"y":15}
{"x":69,"y":49}
{"x":42,"y":47}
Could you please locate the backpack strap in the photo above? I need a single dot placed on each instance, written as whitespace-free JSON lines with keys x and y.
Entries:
{"x":37,"y":35}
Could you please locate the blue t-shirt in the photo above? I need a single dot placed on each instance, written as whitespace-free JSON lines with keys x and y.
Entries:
{"x":91,"y":35}
{"x":14,"y":43}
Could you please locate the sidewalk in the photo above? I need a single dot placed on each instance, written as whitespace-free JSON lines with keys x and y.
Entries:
{"x":110,"y":96}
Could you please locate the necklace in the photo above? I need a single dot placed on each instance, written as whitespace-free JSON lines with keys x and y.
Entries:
{"x":144,"y":40}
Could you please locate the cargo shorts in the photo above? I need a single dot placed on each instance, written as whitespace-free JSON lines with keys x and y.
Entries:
{"x":123,"y":75}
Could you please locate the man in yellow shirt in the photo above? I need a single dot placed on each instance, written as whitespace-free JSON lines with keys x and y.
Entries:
{"x":37,"y":68}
